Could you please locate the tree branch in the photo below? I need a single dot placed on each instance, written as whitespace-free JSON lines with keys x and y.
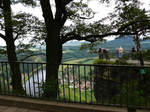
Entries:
{"x":123,"y":27}
{"x":17,"y":35}
{"x":61,"y":13}
{"x":90,"y":38}
{"x":83,"y":17}
{"x":47,"y":11}
{"x":3,"y":36}
{"x":67,"y":2}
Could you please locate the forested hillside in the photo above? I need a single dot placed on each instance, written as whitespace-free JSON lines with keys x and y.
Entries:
{"x":73,"y":54}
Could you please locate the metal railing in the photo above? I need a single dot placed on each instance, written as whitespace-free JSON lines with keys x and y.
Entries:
{"x":116,"y":85}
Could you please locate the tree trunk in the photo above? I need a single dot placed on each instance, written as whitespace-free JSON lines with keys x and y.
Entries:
{"x":11,"y":50}
{"x":139,"y":50}
{"x":53,"y":51}
{"x":16,"y":75}
{"x":53,"y":59}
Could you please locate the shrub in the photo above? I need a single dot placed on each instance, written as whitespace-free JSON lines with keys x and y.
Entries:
{"x":115,"y":82}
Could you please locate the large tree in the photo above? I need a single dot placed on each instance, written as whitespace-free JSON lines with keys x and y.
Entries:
{"x":15,"y":27}
{"x":131,"y":18}
{"x":55,"y":15}
{"x":54,"y":23}
{"x":9,"y":39}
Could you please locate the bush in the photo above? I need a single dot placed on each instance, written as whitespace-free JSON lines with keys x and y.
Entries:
{"x":101,"y":61}
{"x":115,"y":82}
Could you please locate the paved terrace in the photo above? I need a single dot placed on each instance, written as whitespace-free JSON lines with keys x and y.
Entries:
{"x":18,"y":104}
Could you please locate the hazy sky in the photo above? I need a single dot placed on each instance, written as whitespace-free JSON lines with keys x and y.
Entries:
{"x":101,"y":10}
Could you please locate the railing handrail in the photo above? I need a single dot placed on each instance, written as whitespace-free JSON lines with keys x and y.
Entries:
{"x":102,"y":65}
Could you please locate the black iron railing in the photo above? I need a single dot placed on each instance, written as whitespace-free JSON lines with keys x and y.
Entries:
{"x":93,"y":84}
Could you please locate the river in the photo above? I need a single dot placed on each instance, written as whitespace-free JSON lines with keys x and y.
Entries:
{"x":33,"y":86}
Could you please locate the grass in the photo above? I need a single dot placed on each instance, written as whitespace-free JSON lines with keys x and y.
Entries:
{"x":81,"y":61}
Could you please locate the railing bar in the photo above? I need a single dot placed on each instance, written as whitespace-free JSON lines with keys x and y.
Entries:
{"x":38,"y":82}
{"x":68,"y":75}
{"x":29,"y":80}
{"x":63,"y":82}
{"x":7,"y":79}
{"x":24,"y":78}
{"x":34,"y":92}
{"x":79,"y":83}
{"x":102,"y":96}
{"x":58,"y":83}
{"x":85,"y":81}
{"x":133,"y":89}
{"x":74,"y":89}
{"x":96,"y":79}
{"x":91,"y":84}
{"x":120,"y":88}
{"x":108,"y":96}
{"x":128,"y":81}
{"x":146,"y":101}
{"x":140,"y":104}
{"x":3,"y":79}
{"x":42,"y":82}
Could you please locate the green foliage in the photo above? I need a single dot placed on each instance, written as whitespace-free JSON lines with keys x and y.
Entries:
{"x":125,"y":84}
{"x":74,"y":53}
{"x":32,"y":3}
{"x":101,"y":61}
{"x":79,"y":10}
{"x":135,"y":56}
{"x":133,"y":19}
{"x":25,"y":24}
{"x":121,"y":62}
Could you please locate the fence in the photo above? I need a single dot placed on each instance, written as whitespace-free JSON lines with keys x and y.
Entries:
{"x":91,"y":84}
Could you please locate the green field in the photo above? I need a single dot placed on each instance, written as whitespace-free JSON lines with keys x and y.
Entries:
{"x":81,"y":61}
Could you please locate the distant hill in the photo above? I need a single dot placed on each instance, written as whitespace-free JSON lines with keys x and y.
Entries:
{"x":126,"y":42}
{"x":72,"y":50}
{"x":74,"y":43}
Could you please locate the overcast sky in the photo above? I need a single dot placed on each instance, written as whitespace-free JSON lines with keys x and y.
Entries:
{"x":101,"y":10}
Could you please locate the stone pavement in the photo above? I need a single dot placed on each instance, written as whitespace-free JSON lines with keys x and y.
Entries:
{"x":16,"y":109}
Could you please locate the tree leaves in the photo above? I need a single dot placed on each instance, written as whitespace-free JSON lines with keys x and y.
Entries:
{"x":32,"y":3}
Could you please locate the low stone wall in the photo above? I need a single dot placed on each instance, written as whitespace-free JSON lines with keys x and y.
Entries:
{"x":55,"y":106}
